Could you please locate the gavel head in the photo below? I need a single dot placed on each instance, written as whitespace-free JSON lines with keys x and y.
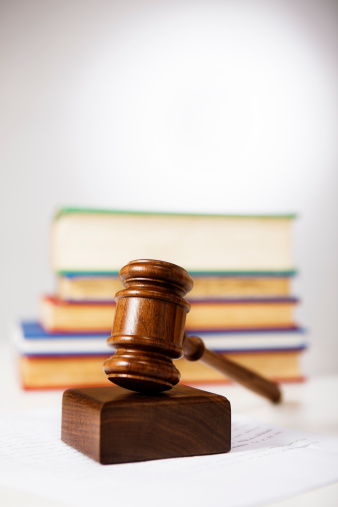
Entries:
{"x":149,"y":326}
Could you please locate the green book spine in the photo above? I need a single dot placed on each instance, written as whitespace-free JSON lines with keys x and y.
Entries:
{"x":97,"y":211}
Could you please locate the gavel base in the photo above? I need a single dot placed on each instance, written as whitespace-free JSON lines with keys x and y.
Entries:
{"x":113,"y":425}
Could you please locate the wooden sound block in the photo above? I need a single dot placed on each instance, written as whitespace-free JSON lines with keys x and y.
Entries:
{"x":113,"y":425}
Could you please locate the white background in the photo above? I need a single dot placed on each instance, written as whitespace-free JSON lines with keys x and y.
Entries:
{"x":208,"y":106}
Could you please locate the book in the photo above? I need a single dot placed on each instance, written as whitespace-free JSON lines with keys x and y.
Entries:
{"x":105,"y":240}
{"x":30,"y":339}
{"x":58,"y":315}
{"x":47,"y":372}
{"x":282,"y":366}
{"x":103,"y":287}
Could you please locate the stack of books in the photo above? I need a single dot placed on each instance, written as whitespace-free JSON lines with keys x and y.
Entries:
{"x":241,"y":303}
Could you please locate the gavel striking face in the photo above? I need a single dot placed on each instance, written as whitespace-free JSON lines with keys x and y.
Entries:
{"x":148,"y":333}
{"x":149,"y":323}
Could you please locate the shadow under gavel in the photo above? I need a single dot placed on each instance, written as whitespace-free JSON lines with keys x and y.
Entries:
{"x":148,"y":333}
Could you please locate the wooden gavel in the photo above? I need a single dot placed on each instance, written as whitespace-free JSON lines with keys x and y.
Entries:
{"x":148,"y":333}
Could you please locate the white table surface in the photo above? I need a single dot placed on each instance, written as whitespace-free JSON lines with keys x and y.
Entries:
{"x":311,"y":406}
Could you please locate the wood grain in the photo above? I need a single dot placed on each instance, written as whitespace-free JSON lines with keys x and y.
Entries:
{"x":194,"y":349}
{"x":148,"y":333}
{"x":113,"y":425}
{"x":148,"y":326}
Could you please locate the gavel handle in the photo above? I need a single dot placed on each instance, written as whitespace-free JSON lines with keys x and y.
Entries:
{"x":195,"y":349}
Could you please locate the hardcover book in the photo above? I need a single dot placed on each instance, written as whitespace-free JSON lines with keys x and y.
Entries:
{"x":58,"y":315}
{"x":46,"y":372}
{"x":103,"y":287}
{"x":30,"y":339}
{"x":105,"y":240}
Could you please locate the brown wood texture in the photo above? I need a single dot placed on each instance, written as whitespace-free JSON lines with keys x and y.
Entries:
{"x":148,"y":333}
{"x":148,"y":326}
{"x":113,"y":425}
{"x":194,"y":349}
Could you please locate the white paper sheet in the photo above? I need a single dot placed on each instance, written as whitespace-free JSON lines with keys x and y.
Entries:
{"x":267,"y":463}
